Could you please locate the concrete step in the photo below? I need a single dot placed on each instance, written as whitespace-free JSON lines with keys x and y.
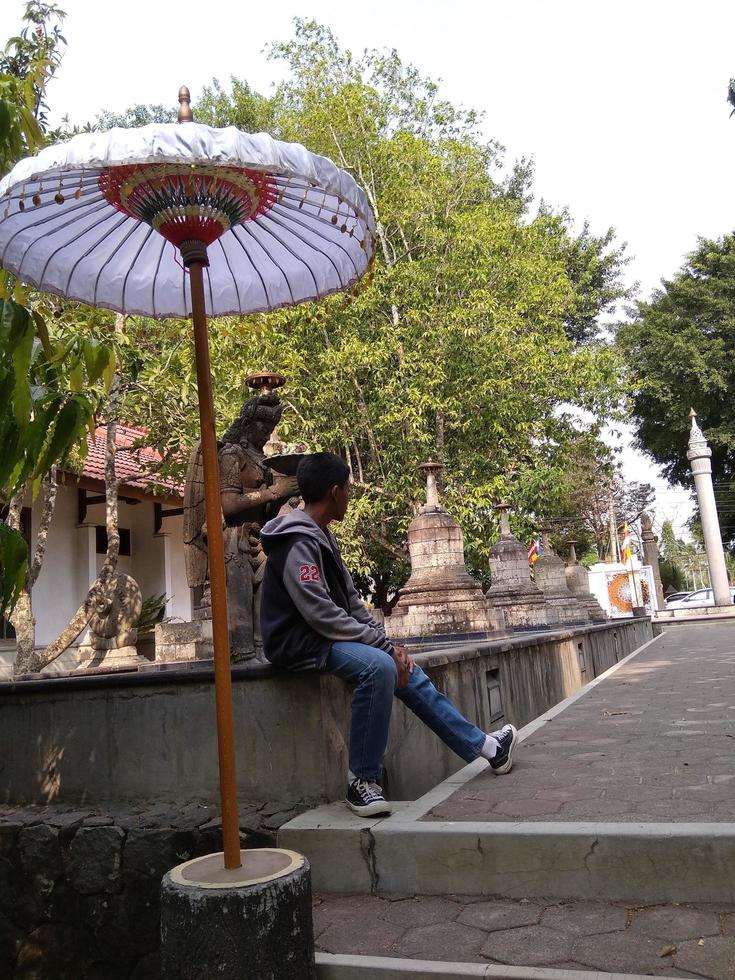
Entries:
{"x":646,"y":862}
{"x":343,"y":967}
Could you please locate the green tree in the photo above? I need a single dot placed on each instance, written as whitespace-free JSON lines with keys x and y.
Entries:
{"x":686,"y":561}
{"x":51,"y":372}
{"x":591,"y":478}
{"x":680,"y":352}
{"x":138,"y":115}
{"x":477,"y":326}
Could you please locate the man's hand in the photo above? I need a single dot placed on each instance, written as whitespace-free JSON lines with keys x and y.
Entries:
{"x":285,"y":487}
{"x":404,"y":665}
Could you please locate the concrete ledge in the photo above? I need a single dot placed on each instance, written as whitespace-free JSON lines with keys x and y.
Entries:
{"x":647,"y":862}
{"x":692,"y":617}
{"x":339,"y":967}
{"x":81,"y":739}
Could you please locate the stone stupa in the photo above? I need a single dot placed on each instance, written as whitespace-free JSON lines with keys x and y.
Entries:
{"x":440,"y":599}
{"x":578,"y":580}
{"x":512,"y":591}
{"x":564,"y":608}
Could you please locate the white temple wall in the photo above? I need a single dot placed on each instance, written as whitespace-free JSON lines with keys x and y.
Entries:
{"x":71,"y":563}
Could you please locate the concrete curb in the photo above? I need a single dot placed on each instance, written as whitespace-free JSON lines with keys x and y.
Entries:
{"x":331,"y":966}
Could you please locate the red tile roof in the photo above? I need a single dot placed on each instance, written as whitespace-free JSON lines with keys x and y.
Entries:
{"x":131,"y":465}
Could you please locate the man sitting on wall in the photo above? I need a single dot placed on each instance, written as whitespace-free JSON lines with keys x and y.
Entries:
{"x":311,"y":615}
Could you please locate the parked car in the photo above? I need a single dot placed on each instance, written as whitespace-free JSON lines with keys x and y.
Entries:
{"x":702,"y":597}
{"x":675,"y":596}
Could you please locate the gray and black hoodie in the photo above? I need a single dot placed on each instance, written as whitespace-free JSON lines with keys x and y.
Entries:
{"x":308,"y":598}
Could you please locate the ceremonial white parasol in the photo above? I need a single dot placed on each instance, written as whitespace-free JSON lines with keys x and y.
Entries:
{"x":171,"y":221}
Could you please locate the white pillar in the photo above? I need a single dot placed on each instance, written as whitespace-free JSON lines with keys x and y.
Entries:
{"x":167,"y":574}
{"x":700,"y":457}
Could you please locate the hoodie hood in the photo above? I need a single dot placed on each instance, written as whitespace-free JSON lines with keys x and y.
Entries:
{"x":297,"y":522}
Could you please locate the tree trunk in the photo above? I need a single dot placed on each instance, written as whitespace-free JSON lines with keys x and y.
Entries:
{"x":22,"y":616}
{"x":102,"y":583}
{"x":24,"y":625}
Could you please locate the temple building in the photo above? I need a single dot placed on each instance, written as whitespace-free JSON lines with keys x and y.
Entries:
{"x":151,"y":547}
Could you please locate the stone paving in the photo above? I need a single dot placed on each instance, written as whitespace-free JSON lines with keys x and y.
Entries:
{"x":663,"y":940}
{"x":652,"y":743}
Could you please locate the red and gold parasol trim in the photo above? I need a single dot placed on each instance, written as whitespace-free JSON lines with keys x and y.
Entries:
{"x":187,"y":203}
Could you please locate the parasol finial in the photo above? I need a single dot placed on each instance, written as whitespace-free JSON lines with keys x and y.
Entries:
{"x":185,"y":113}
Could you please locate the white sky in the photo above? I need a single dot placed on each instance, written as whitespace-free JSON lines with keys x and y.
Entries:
{"x":622,"y":106}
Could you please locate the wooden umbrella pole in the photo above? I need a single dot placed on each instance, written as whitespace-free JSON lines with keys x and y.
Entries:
{"x":196,"y":259}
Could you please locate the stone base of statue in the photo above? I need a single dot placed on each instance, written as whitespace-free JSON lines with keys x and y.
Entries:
{"x":184,"y":642}
{"x":565,"y":612}
{"x":520,"y":613}
{"x":595,"y":612}
{"x":254,"y":921}
{"x":441,"y":598}
{"x":578,"y":583}
{"x":124,"y":657}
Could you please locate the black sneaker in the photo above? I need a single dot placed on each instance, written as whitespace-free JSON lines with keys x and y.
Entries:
{"x":366,"y":799}
{"x":502,"y":761}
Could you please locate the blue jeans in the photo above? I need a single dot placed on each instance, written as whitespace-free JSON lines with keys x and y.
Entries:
{"x":374,"y":674}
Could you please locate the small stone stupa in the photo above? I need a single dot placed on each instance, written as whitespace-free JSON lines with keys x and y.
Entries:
{"x":578,"y":580}
{"x":512,"y":591}
{"x":564,"y":608}
{"x":440,"y":598}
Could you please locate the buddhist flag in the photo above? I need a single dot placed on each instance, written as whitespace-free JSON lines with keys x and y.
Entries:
{"x":626,"y":547}
{"x":534,"y":551}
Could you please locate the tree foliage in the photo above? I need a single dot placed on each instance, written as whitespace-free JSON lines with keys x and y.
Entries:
{"x":680,"y":348}
{"x":475,"y":331}
{"x":592,"y":477}
{"x":52,"y":369}
{"x":475,"y":337}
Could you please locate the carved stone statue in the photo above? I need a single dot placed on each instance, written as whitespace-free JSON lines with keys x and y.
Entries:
{"x":113,"y":627}
{"x":251,"y":493}
{"x":114,"y":621}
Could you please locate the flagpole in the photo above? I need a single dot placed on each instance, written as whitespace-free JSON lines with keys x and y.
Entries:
{"x":614,"y":555}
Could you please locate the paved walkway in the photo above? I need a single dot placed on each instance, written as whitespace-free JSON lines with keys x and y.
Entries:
{"x":652,"y":743}
{"x":655,"y":742}
{"x":663,"y":940}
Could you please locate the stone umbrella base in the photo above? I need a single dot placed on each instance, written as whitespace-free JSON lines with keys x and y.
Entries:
{"x":252,"y":922}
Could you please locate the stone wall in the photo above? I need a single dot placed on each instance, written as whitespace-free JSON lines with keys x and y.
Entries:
{"x":135,"y":762}
{"x":79,"y":888}
{"x":150,"y":737}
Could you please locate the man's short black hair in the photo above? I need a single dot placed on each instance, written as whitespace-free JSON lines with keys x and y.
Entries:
{"x":318,"y":473}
